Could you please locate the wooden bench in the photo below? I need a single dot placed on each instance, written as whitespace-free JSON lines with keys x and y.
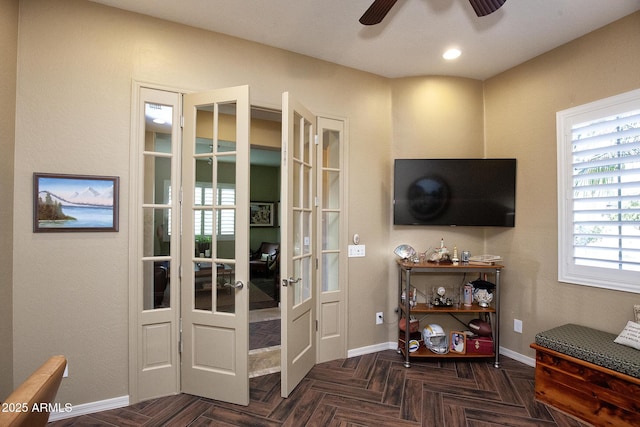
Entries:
{"x":582,"y":372}
{"x":38,"y":391}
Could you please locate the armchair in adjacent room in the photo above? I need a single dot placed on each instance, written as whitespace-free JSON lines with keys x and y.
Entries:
{"x":260,"y":259}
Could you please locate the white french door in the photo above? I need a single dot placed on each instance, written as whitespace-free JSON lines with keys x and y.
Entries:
{"x":215,"y":276}
{"x":189,"y":295}
{"x":298,"y":261}
{"x":154,"y":279}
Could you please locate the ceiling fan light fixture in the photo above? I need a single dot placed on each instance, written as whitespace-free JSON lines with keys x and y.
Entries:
{"x":452,"y":53}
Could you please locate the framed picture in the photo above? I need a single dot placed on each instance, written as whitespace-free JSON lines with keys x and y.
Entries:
{"x":261,"y":214}
{"x":458,"y":342}
{"x":68,"y":203}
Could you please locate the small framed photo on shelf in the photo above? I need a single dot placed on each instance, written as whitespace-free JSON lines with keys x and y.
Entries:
{"x":457,"y":342}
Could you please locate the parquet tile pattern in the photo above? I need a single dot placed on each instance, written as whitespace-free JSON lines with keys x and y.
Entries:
{"x":370,"y":390}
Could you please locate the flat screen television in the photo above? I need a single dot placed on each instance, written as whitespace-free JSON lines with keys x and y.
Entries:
{"x":455,"y":192}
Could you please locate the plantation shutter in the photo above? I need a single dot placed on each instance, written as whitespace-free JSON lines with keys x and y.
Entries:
{"x":606,"y":192}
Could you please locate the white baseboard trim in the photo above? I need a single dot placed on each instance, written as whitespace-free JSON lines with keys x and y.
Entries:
{"x":530,"y":361}
{"x":372,"y":349}
{"x":394,"y":345}
{"x":91,"y":407}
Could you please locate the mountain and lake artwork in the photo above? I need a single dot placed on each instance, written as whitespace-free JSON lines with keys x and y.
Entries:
{"x":75,"y":203}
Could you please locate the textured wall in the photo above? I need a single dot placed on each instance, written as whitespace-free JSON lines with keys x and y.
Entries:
{"x":8,"y":53}
{"x":521,"y":105}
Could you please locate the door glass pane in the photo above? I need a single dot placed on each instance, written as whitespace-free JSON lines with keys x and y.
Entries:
{"x":158,"y":120}
{"x":157,"y":173}
{"x":297,"y":287}
{"x":307,"y":142}
{"x":306,"y":239}
{"x":156,"y":232}
{"x":330,"y":145}
{"x":296,"y":143}
{"x":297,"y":184}
{"x":330,"y":271}
{"x":305,"y":283}
{"x":308,"y":194}
{"x":203,"y":278}
{"x":297,"y":236}
{"x":155,"y":279}
{"x":225,"y":294}
{"x":330,"y":189}
{"x":331,"y":230}
{"x":203,"y":228}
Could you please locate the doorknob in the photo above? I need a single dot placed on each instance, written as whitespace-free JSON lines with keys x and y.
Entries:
{"x":237,"y":285}
{"x":290,"y":280}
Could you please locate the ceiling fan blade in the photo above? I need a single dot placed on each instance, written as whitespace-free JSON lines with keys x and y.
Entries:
{"x":376,"y":12}
{"x":486,"y":7}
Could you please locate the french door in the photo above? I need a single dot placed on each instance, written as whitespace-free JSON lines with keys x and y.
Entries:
{"x":215,"y":245}
{"x":189,"y":287}
{"x":298,"y":263}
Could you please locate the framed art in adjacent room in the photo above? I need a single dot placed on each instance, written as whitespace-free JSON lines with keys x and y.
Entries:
{"x":261,"y":214}
{"x":68,"y":203}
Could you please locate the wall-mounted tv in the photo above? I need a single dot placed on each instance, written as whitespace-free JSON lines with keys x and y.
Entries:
{"x":460,"y":192}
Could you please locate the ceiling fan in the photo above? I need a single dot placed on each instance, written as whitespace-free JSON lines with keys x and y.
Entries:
{"x":379,"y":9}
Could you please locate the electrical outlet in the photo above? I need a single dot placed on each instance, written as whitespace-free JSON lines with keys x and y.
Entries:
{"x":517,"y":326}
{"x":379,"y":318}
{"x":356,"y":251}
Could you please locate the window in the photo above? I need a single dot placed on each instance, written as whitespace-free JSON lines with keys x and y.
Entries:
{"x":599,"y":193}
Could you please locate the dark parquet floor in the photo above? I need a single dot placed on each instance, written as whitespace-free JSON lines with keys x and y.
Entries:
{"x":370,"y":390}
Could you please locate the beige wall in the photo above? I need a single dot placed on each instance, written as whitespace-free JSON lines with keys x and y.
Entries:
{"x":433,"y":117}
{"x":8,"y":53}
{"x":520,"y":122}
{"x":77,"y":61}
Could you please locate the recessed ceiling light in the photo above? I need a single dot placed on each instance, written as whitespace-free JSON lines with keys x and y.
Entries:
{"x":451,"y":54}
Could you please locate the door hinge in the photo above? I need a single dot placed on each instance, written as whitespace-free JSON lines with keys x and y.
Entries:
{"x":316,"y":140}
{"x":181,"y":122}
{"x":316,"y":326}
{"x":316,"y":263}
{"x":180,"y":336}
{"x":316,"y":201}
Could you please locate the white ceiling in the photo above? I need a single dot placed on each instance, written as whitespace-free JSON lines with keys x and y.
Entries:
{"x":411,"y":39}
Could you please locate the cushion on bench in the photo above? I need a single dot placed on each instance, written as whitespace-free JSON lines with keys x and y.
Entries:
{"x":592,"y":346}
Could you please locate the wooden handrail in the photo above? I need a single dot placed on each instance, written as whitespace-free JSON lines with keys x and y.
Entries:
{"x":29,"y":404}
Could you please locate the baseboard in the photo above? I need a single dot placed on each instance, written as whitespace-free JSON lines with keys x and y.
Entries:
{"x":91,"y":407}
{"x":393,"y":345}
{"x":530,"y":361}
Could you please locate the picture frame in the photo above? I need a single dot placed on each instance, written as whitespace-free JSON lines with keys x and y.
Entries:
{"x":75,"y":203}
{"x":458,"y":342}
{"x":261,"y":214}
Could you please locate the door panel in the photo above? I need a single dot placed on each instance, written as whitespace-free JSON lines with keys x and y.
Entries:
{"x":215,"y":245}
{"x":298,"y":354}
{"x":332,"y":343}
{"x":154,"y":357}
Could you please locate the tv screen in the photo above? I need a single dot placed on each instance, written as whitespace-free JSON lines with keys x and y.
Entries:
{"x":464,"y":192}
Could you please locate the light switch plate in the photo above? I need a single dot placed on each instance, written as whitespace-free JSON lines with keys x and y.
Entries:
{"x":356,"y":251}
